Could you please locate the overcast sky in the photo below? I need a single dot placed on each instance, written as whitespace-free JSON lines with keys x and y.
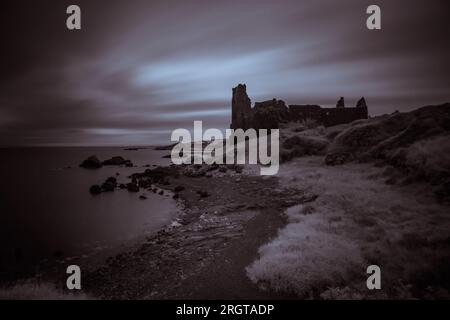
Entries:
{"x":139,"y":69}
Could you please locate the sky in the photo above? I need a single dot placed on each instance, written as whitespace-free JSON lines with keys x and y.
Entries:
{"x":138,"y":69}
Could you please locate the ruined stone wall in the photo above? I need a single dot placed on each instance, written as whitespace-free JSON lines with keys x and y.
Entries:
{"x":269,"y":114}
{"x":304,"y":112}
{"x":327,"y":116}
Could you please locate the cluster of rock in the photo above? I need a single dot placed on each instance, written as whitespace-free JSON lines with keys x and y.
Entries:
{"x":269,"y":114}
{"x":108,"y":186}
{"x":159,"y":178}
{"x":145,"y":180}
{"x":199,"y":170}
{"x":94,"y":163}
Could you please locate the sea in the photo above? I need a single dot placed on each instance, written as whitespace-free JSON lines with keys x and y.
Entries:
{"x":47,"y":212}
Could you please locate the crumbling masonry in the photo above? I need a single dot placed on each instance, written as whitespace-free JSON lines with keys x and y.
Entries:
{"x":269,"y":114}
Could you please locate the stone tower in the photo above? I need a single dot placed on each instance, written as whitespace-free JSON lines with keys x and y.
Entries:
{"x":361,"y":103}
{"x":340,"y":103}
{"x":241,"y":108}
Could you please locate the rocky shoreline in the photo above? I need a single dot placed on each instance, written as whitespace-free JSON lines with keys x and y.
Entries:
{"x":227,"y":216}
{"x":378,"y":182}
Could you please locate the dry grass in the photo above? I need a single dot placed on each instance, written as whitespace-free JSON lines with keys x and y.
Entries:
{"x":357,"y":220}
{"x":32,"y":290}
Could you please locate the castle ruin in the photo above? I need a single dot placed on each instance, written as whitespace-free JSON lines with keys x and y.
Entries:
{"x":269,"y":114}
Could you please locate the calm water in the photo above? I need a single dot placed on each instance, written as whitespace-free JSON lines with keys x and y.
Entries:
{"x":46,"y":207}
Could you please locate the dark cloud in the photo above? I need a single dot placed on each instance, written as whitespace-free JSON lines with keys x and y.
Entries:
{"x":137,"y":70}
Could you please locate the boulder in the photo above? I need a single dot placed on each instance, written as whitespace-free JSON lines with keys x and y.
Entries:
{"x":95,"y":189}
{"x":114,"y":161}
{"x":108,"y":186}
{"x":112,"y":180}
{"x":91,"y":163}
{"x":132,"y":187}
{"x":128,"y":163}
